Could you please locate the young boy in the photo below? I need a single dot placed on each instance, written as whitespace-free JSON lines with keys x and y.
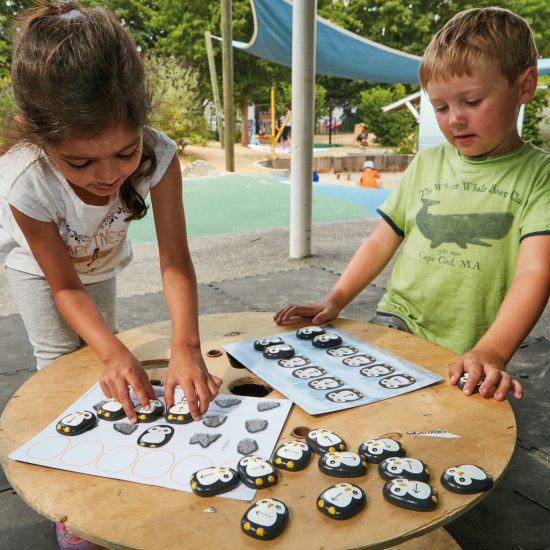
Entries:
{"x":473,"y":215}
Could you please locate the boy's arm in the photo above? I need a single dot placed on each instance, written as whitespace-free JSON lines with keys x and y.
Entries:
{"x":522,"y":306}
{"x":80,"y":311}
{"x":186,"y":366}
{"x":369,"y":260}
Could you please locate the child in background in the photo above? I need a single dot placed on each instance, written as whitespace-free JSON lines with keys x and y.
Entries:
{"x":370,"y":176}
{"x":473,"y":215}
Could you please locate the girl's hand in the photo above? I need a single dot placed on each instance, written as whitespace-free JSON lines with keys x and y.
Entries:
{"x":198,"y":385}
{"x":320,"y":312}
{"x":484,"y":364}
{"x":119,"y":373}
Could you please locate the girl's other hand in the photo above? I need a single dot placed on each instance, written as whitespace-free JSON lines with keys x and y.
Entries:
{"x":319,"y":312}
{"x":124,"y":371}
{"x":199,"y":386}
{"x":479,"y":365}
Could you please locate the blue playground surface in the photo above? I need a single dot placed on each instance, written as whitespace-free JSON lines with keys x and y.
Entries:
{"x":237,"y":203}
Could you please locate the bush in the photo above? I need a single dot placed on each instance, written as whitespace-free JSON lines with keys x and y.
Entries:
{"x":7,"y":106}
{"x":177,"y":108}
{"x":534,"y":117}
{"x":391,"y":128}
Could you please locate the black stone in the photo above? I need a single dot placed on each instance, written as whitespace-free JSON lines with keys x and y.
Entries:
{"x":265,"y":519}
{"x":323,"y":441}
{"x":341,"y":501}
{"x":256,"y":472}
{"x":292,"y":456}
{"x":466,"y":479}
{"x":376,"y":450}
{"x":410,"y":494}
{"x":396,"y":467}
{"x":343,"y":464}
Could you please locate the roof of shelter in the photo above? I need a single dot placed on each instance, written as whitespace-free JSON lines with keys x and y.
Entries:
{"x":340,"y":53}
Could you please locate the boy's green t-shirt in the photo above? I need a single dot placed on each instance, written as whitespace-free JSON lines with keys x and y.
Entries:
{"x":462,"y":220}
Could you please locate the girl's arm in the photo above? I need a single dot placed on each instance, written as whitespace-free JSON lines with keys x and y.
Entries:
{"x":186,"y":366}
{"x":369,"y":260}
{"x":522,"y":306}
{"x":82,"y":314}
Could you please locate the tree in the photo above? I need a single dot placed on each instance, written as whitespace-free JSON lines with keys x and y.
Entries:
{"x":391,"y":128}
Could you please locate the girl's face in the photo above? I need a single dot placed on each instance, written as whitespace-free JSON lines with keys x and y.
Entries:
{"x":96,"y":167}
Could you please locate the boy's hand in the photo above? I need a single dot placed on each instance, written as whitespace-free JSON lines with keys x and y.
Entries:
{"x":319,"y":312}
{"x":119,"y":373}
{"x":198,"y":385}
{"x":483,"y":364}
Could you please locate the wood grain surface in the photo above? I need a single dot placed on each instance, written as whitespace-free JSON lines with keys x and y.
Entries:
{"x":119,"y":514}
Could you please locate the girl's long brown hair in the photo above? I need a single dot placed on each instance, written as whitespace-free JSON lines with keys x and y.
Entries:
{"x":76,"y":72}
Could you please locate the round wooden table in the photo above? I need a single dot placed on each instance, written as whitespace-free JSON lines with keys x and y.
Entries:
{"x":119,"y":514}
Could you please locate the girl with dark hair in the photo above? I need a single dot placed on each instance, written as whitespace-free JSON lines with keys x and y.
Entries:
{"x":83,"y":162}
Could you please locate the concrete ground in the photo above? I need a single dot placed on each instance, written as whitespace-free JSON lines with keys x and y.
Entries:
{"x":251,"y":271}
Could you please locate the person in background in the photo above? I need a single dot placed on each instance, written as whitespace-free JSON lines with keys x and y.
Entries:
{"x":362,"y":138}
{"x":370,"y":176}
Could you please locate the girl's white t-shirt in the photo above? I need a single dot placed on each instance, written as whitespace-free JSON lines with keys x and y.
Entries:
{"x":95,"y":236}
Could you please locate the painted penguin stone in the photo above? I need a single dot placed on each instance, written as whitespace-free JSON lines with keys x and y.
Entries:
{"x":395,"y":467}
{"x":343,"y":464}
{"x":344,"y":395}
{"x":76,"y":423}
{"x":466,"y":479}
{"x":213,"y":480}
{"x":323,"y":441}
{"x":156,"y":436}
{"x":151,"y":412}
{"x":376,"y":450}
{"x":309,"y":333}
{"x":111,"y":410}
{"x":293,"y":362}
{"x":411,"y":494}
{"x":327,"y":340}
{"x":326,"y":383}
{"x":179,"y":413}
{"x":396,"y":381}
{"x":376,"y":370}
{"x":342,"y":351}
{"x":256,"y":472}
{"x":341,"y":501}
{"x":292,"y":456}
{"x":308,"y":372}
{"x":464,"y":378}
{"x":358,"y":360}
{"x":265,"y":519}
{"x":261,"y":343}
{"x":279,"y":351}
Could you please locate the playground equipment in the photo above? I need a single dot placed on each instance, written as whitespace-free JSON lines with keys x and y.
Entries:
{"x":274,"y":131}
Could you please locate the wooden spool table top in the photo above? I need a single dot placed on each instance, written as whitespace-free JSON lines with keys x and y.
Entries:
{"x":120,"y":514}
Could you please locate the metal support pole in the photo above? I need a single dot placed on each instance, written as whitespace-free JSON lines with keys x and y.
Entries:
{"x":227,"y":57}
{"x":214,"y":82}
{"x":303,"y":107}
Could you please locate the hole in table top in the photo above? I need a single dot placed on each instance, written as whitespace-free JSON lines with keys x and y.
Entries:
{"x":214,"y":353}
{"x":250,"y":389}
{"x":234,"y":363}
{"x":236,"y":333}
{"x":300,"y":431}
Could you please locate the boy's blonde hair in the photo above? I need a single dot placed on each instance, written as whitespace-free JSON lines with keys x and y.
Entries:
{"x":477,"y":36}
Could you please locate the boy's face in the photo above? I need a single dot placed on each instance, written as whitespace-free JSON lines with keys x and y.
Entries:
{"x":478,"y":113}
